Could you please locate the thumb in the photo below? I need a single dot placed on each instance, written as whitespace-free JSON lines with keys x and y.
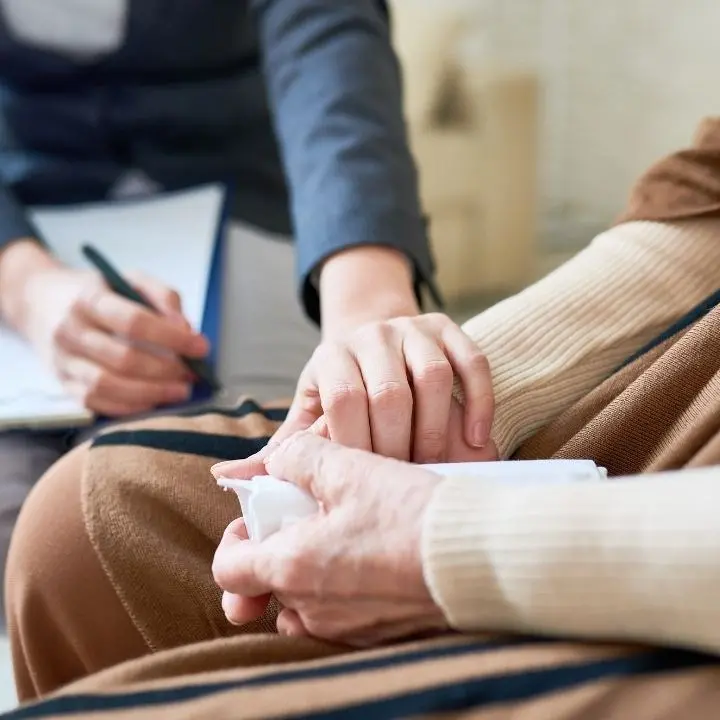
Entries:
{"x":298,"y":419}
{"x":305,"y":413}
{"x":326,"y":470}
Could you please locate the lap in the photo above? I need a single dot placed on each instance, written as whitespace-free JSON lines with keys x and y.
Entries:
{"x":154,"y":515}
{"x":24,"y":458}
{"x":479,"y":677}
{"x":113,"y":551}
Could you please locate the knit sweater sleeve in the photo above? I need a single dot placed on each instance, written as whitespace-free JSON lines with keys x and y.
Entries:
{"x":552,"y":343}
{"x":633,"y":559}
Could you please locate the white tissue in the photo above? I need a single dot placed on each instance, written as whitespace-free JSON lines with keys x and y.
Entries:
{"x":269,"y":504}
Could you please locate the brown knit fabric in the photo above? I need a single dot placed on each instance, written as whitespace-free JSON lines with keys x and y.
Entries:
{"x":683,"y":185}
{"x":453,"y":677}
{"x":661,"y":412}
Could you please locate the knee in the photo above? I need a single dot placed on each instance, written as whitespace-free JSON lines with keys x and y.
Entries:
{"x":44,"y":557}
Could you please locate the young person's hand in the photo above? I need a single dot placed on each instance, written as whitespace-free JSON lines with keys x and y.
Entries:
{"x":116,"y":356}
{"x":387,"y":387}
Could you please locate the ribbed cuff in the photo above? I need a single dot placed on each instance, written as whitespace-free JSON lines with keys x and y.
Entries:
{"x":457,"y":563}
{"x":632,"y":559}
{"x":552,"y":343}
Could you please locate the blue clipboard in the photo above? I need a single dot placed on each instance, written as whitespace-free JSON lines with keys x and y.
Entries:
{"x":211,"y":325}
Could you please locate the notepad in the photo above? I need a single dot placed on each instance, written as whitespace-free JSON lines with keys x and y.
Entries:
{"x":172,"y":237}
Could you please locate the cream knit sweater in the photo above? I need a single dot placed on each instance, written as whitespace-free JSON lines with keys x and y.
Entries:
{"x":637,"y":559}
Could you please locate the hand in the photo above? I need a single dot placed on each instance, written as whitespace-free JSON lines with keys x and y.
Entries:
{"x":387,"y":387}
{"x":116,"y":356}
{"x":352,"y":573}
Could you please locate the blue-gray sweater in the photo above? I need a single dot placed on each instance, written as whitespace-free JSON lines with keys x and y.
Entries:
{"x":297,"y":99}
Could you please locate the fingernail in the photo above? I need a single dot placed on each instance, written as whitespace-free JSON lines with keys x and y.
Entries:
{"x":481,"y":434}
{"x":219,"y":467}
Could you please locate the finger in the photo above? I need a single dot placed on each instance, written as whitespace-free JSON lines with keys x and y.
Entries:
{"x":102,"y":388}
{"x":320,"y":428}
{"x":305,"y":410}
{"x":116,"y":315}
{"x":249,"y":467}
{"x":244,"y":468}
{"x":432,"y":381}
{"x":239,"y":566}
{"x":474,"y":371}
{"x":242,"y":610}
{"x":390,"y":399}
{"x":326,"y":470}
{"x":290,"y":624}
{"x":104,"y":407}
{"x":84,"y":340}
{"x":458,"y":450}
{"x":164,"y":299}
{"x":343,"y":398}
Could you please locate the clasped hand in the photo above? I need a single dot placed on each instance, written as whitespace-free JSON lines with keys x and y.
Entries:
{"x":387,"y":387}
{"x":353,"y":572}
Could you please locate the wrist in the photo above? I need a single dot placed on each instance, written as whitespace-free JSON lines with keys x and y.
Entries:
{"x":20,"y":260}
{"x":365,"y":284}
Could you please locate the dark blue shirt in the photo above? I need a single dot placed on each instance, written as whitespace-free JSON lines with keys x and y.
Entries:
{"x":297,"y":103}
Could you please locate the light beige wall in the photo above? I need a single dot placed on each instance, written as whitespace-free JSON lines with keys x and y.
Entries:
{"x":625,"y":81}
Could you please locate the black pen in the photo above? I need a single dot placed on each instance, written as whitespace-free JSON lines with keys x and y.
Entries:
{"x":118,"y":284}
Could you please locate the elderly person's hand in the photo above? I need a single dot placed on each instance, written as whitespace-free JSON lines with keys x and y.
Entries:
{"x":353,"y":572}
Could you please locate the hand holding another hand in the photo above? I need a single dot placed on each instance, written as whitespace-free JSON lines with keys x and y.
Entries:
{"x":387,"y":387}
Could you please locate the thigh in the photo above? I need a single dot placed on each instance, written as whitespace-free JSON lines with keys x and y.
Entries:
{"x":265,"y":337}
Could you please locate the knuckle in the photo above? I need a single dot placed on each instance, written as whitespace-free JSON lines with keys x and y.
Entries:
{"x":124,"y":360}
{"x":436,"y":372}
{"x":323,"y":352}
{"x":343,"y":396}
{"x":437,"y":318}
{"x":373,"y":333}
{"x":134,"y":325}
{"x":432,"y":437}
{"x":80,"y":303}
{"x":390,"y":394}
{"x":92,"y":291}
{"x":292,"y":572}
{"x":61,"y":335}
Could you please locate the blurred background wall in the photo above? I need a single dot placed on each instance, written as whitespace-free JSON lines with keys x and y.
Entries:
{"x":618,"y":83}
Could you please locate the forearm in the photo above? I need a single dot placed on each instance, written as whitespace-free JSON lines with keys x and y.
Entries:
{"x":335,"y":89}
{"x":364,"y":284}
{"x":551,"y":344}
{"x":633,"y":559}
